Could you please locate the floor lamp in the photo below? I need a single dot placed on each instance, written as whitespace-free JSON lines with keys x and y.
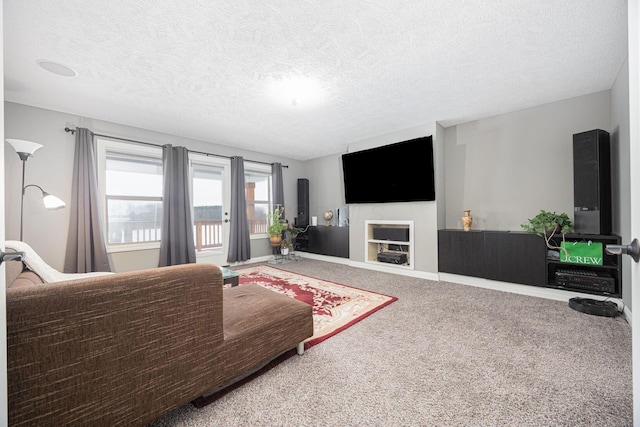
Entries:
{"x":25,"y":149}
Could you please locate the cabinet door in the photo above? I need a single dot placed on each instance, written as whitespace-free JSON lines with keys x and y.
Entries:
{"x":515,"y":257}
{"x":331,"y":241}
{"x":461,"y":252}
{"x":340,"y":241}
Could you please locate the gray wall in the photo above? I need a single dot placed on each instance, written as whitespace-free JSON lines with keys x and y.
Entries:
{"x":327,"y":193}
{"x":52,"y":167}
{"x":326,"y":190}
{"x":503,"y":168}
{"x":508,"y":167}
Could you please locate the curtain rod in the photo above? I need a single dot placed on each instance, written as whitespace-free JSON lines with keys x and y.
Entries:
{"x":73,"y":131}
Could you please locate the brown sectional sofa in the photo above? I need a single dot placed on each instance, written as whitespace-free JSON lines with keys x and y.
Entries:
{"x":125,"y":349}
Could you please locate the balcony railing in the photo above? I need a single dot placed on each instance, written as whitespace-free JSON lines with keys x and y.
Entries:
{"x":208,"y":234}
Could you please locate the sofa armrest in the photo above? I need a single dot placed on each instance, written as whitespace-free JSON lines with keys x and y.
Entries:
{"x":77,"y":349}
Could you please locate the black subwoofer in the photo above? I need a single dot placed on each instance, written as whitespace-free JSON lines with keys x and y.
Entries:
{"x":302,"y":220}
{"x":592,"y":182}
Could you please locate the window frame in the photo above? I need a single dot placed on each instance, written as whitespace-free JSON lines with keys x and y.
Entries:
{"x":260,"y":168}
{"x":197,"y":160}
{"x":103,"y":147}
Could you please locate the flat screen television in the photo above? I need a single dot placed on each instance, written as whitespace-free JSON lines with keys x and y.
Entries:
{"x":400,"y":172}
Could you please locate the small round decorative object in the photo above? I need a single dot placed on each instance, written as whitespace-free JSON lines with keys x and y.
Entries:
{"x":328,"y":216}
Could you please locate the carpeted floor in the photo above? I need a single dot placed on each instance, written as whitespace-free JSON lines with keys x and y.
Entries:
{"x":442,"y":355}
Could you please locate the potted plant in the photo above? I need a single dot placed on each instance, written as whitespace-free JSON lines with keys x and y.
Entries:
{"x":546,"y":224}
{"x":285,"y":246}
{"x":276,"y":226}
{"x":288,"y":243}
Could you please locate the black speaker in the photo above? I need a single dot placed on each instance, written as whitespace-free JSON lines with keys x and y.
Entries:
{"x":400,"y":234}
{"x":592,"y":182}
{"x":302,"y":220}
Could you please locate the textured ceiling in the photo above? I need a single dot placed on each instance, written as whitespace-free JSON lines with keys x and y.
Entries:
{"x":210,"y":70}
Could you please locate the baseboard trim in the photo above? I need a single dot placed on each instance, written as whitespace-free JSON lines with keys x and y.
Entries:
{"x":394,"y":270}
{"x":534,"y":291}
{"x":336,"y":260}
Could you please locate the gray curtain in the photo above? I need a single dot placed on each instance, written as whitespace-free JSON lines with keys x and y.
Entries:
{"x":176,"y":241}
{"x":86,"y":248}
{"x":278,"y":185}
{"x":239,"y":241}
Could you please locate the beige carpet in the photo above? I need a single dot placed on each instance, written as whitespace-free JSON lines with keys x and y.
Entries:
{"x":442,"y":355}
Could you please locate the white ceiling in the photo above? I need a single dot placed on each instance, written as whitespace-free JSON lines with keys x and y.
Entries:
{"x":209,"y":70}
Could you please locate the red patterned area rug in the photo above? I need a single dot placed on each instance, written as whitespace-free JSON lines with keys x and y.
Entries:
{"x":335,"y":308}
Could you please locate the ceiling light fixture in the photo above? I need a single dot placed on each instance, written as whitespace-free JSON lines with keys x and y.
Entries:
{"x":297,"y":91}
{"x":57,"y":68}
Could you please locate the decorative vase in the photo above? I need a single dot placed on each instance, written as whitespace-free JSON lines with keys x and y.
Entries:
{"x":467,"y":220}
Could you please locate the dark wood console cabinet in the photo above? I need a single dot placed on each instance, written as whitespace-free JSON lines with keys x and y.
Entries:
{"x":325,"y":240}
{"x":518,"y":257}
{"x":506,"y":256}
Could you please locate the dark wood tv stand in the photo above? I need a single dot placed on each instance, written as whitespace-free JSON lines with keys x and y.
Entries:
{"x":324,"y":240}
{"x":517,"y":257}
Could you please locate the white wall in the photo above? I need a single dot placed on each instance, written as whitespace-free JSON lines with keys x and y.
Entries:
{"x":52,"y":167}
{"x":3,"y":301}
{"x":621,"y":171}
{"x":508,"y":167}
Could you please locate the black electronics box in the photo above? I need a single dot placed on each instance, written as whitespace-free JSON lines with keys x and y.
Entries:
{"x":586,"y":280}
{"x":391,"y":233}
{"x":392,"y":257}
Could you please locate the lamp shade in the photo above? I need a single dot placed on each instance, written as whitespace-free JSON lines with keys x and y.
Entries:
{"x":52,"y":202}
{"x":24,"y":147}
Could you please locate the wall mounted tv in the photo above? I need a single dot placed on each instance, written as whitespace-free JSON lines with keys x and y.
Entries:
{"x":400,"y":172}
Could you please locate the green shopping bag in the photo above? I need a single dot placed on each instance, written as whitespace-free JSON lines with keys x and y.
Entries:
{"x":581,"y":252}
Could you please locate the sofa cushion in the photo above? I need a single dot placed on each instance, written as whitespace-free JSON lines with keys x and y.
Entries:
{"x":26,"y":278}
{"x":14,"y":268}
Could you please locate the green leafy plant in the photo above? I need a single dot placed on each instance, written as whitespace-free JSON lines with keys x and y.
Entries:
{"x":546,"y":224}
{"x":290,"y":235}
{"x":277,"y":224}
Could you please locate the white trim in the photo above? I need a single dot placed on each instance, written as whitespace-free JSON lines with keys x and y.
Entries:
{"x":369,"y":226}
{"x":392,"y":268}
{"x":132,"y":247}
{"x":333,"y":259}
{"x":535,"y":291}
{"x":102,"y":146}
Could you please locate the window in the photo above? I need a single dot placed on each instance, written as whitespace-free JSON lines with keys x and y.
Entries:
{"x":130,"y":179}
{"x":132,"y":189}
{"x":258,"y":193}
